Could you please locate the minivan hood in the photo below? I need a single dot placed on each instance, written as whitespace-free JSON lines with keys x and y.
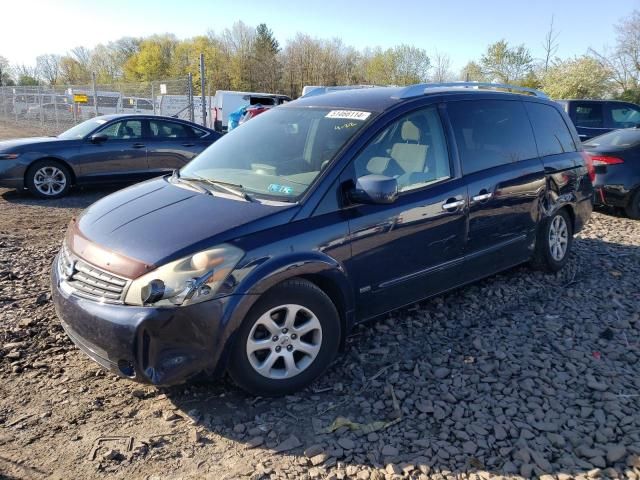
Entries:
{"x":155,"y":222}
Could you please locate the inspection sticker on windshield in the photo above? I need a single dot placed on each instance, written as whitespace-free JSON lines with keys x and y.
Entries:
{"x":348,"y":114}
{"x":274,"y":187}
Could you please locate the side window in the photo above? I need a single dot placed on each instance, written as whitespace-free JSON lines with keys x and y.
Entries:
{"x":198,"y":133}
{"x":551,"y":131}
{"x":162,"y":130}
{"x":624,"y":116}
{"x":588,"y":115}
{"x":412,"y":149}
{"x":125,"y":130}
{"x":490,"y":133}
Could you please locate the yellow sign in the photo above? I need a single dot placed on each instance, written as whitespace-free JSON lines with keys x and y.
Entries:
{"x":80,"y":98}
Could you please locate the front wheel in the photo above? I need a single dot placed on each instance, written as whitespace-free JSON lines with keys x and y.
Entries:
{"x":48,"y":179}
{"x":289,"y":338}
{"x":554,"y":241}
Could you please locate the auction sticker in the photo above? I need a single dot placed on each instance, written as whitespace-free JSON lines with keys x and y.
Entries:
{"x":348,"y":114}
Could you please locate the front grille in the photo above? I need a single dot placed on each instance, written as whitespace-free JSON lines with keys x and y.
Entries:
{"x":88,"y":281}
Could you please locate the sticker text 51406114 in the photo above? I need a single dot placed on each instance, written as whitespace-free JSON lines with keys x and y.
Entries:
{"x":348,"y":114}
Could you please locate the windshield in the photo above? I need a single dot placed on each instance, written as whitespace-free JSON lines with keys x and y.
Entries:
{"x":82,"y":129}
{"x":278,"y":153}
{"x":618,"y":138}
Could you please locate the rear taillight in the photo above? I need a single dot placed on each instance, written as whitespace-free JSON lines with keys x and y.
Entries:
{"x":588,"y":162}
{"x":605,"y":160}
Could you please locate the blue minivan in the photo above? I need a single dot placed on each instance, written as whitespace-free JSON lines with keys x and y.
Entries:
{"x":259,"y":256}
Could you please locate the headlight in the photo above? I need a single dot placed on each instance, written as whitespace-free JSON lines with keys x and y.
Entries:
{"x":8,"y":156}
{"x":192,"y":279}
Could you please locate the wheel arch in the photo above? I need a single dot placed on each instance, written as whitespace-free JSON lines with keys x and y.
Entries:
{"x":323,"y":271}
{"x":55,"y":159}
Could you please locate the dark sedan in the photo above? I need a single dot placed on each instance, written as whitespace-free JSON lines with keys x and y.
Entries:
{"x":616,"y":161}
{"x":107,"y":149}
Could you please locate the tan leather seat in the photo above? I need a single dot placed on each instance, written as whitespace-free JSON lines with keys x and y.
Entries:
{"x":410,"y":155}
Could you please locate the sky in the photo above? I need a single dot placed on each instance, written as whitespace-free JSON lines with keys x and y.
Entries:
{"x":462,"y":28}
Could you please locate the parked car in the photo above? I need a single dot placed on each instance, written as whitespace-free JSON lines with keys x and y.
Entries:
{"x":260,"y":255}
{"x":49,"y":112}
{"x":225,"y":102}
{"x":596,"y":117}
{"x":107,"y":149}
{"x":616,"y":159}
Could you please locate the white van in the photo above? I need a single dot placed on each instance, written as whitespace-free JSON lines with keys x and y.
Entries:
{"x":178,"y":106}
{"x":227,"y":101}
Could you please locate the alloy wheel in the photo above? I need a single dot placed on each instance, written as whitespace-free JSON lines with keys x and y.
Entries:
{"x":49,"y":180}
{"x":558,"y":238}
{"x":284,"y":341}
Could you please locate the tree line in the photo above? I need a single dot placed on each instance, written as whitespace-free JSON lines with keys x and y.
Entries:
{"x":252,"y":59}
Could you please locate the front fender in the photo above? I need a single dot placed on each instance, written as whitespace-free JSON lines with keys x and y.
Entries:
{"x":266,"y":273}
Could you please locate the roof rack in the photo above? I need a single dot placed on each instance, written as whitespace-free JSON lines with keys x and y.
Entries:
{"x":423,"y":88}
{"x":323,"y":90}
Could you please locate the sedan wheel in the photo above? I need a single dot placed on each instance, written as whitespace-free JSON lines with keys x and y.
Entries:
{"x":48,"y":179}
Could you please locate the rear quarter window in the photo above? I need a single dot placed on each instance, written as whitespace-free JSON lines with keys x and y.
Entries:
{"x":550,"y":130}
{"x":490,"y":133}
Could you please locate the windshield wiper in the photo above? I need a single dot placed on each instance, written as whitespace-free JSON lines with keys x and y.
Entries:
{"x":191,"y":182}
{"x":233,"y":188}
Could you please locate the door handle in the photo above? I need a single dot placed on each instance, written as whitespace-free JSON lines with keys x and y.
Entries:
{"x":482,"y":197}
{"x":138,"y":145}
{"x":452,"y":204}
{"x":187,"y":144}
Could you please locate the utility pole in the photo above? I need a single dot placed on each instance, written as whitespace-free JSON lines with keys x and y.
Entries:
{"x":202,"y":90}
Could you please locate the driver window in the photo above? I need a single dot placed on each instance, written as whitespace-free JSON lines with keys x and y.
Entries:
{"x":412,"y":150}
{"x":125,"y":130}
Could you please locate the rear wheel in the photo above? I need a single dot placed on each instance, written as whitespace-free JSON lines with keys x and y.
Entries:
{"x":48,"y":179}
{"x":633,"y":208}
{"x":555,"y":238}
{"x":289,"y":338}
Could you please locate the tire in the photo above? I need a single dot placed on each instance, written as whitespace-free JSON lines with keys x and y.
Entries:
{"x":633,"y":208}
{"x":257,"y":346}
{"x":39,"y":174}
{"x":547,"y":257}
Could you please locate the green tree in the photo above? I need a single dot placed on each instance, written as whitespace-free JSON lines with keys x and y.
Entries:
{"x":153,"y":59}
{"x":472,"y":72}
{"x":580,"y":77}
{"x":506,"y":64}
{"x":237,"y":44}
{"x":265,"y":63}
{"x":72,"y":72}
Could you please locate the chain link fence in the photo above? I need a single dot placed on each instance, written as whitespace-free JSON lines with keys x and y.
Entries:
{"x":53,"y":109}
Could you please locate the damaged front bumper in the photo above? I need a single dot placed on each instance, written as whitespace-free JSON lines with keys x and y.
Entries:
{"x":161,"y":346}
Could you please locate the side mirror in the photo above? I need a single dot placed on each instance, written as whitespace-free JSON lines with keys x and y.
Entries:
{"x":98,"y":138}
{"x":374,"y":189}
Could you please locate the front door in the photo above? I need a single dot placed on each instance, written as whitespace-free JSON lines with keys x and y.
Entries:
{"x":121,"y":157}
{"x":412,"y":248}
{"x":505,"y":178}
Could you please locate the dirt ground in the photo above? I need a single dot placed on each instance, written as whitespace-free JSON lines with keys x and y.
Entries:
{"x":523,"y":374}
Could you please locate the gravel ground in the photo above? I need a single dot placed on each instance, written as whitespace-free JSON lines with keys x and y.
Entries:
{"x":523,"y":374}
